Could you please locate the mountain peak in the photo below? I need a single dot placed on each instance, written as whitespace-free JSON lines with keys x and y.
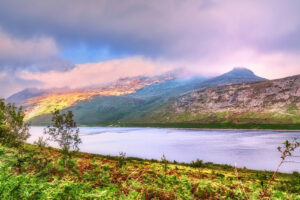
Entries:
{"x":241,"y":70}
{"x":242,"y":73}
{"x":237,"y":75}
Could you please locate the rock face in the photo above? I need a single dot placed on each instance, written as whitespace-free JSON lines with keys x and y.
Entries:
{"x":274,"y":101}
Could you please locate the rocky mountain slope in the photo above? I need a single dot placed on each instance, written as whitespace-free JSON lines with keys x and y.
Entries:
{"x":269,"y":102}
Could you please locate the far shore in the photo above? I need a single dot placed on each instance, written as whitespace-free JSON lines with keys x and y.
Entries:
{"x":222,"y":126}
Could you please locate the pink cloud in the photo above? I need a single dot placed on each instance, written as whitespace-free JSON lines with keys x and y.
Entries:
{"x":15,"y":49}
{"x":99,"y":73}
{"x":271,"y":66}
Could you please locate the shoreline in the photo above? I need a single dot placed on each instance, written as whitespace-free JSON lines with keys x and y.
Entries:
{"x":186,"y":128}
{"x":229,"y":127}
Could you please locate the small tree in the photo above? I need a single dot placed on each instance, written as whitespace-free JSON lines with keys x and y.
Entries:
{"x":64,"y":131}
{"x":286,"y":151}
{"x":13,"y":129}
{"x":122,"y":156}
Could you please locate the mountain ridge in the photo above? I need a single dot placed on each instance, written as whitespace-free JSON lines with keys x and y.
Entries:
{"x":144,"y":100}
{"x":271,"y":102}
{"x":62,"y":98}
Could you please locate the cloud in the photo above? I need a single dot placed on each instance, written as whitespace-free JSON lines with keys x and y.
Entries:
{"x":10,"y":84}
{"x":93,"y":74}
{"x":271,"y":65}
{"x":35,"y":54}
{"x":88,"y":74}
{"x":206,"y":37}
{"x":172,"y":29}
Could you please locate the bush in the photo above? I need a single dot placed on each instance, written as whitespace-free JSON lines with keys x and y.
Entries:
{"x":121,"y":159}
{"x":197,"y":164}
{"x":13,"y":130}
{"x":41,"y":142}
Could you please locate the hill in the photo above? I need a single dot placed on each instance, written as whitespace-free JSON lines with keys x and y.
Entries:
{"x":136,"y":99}
{"x":140,"y":104}
{"x":265,"y":102}
{"x":39,"y":102}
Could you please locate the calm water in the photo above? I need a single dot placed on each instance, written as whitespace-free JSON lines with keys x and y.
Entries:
{"x":252,"y":149}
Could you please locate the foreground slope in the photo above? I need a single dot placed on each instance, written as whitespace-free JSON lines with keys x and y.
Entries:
{"x":42,"y":176}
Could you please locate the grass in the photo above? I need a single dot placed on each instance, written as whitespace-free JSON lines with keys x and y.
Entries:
{"x":37,"y":173}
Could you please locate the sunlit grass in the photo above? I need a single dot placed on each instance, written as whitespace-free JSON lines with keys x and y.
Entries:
{"x":94,"y":176}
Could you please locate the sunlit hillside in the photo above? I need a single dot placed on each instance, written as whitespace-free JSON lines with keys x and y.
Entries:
{"x":48,"y":102}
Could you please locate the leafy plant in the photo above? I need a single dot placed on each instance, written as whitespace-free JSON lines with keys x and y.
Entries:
{"x":165,"y":163}
{"x":197,"y":164}
{"x":41,"y":142}
{"x":121,"y":159}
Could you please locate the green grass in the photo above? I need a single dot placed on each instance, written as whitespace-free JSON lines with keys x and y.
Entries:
{"x":36,"y":173}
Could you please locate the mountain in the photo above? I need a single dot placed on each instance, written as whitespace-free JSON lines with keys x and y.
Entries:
{"x":21,"y":97}
{"x":265,"y":102}
{"x":100,"y":108}
{"x":237,"y":75}
{"x":40,"y":102}
{"x":127,"y":100}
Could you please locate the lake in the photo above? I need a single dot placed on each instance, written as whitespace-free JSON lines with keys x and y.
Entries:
{"x":254,"y":149}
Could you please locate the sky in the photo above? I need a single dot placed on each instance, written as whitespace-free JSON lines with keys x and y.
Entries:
{"x":77,"y":43}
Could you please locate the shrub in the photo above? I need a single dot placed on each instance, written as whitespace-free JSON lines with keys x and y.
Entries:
{"x":13,"y":130}
{"x":41,"y":142}
{"x":121,"y":159}
{"x":165,"y":163}
{"x":197,"y":164}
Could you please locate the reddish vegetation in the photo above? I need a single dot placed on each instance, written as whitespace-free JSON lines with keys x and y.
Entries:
{"x":146,"y":179}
